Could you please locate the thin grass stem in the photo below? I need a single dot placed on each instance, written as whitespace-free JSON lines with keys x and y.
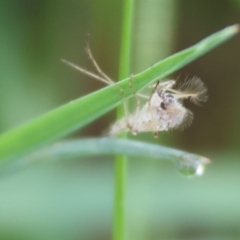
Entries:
{"x":119,"y":228}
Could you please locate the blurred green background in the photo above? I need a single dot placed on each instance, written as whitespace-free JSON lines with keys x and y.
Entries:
{"x":74,"y":200}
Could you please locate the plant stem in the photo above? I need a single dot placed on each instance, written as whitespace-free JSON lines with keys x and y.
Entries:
{"x":119,"y":231}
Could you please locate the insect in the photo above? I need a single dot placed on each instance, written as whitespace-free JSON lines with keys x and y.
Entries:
{"x":163,"y":110}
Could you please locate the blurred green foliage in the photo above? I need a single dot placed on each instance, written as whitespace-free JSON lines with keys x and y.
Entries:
{"x":73,"y":200}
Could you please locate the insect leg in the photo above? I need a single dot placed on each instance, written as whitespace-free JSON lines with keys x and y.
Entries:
{"x":86,"y":72}
{"x":99,"y":70}
{"x":110,"y":81}
{"x":154,"y":123}
{"x":136,"y":114}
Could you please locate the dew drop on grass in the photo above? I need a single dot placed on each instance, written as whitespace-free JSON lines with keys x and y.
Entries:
{"x":191,"y":165}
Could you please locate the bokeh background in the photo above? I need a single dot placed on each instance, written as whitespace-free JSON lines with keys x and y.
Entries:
{"x":74,"y":200}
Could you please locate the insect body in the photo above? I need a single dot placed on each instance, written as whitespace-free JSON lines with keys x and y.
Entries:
{"x":164,"y":110}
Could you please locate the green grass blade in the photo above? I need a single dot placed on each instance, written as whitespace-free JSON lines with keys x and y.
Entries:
{"x":108,"y":146}
{"x":78,"y":113}
{"x":89,"y":147}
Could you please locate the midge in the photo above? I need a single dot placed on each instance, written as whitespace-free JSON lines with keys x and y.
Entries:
{"x":162,"y":111}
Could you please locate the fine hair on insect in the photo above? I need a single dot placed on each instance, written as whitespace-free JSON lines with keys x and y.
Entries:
{"x":163,"y":109}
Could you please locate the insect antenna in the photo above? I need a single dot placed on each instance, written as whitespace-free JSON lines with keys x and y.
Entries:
{"x":194,"y":89}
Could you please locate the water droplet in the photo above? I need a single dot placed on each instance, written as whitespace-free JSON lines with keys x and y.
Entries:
{"x":191,"y":165}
